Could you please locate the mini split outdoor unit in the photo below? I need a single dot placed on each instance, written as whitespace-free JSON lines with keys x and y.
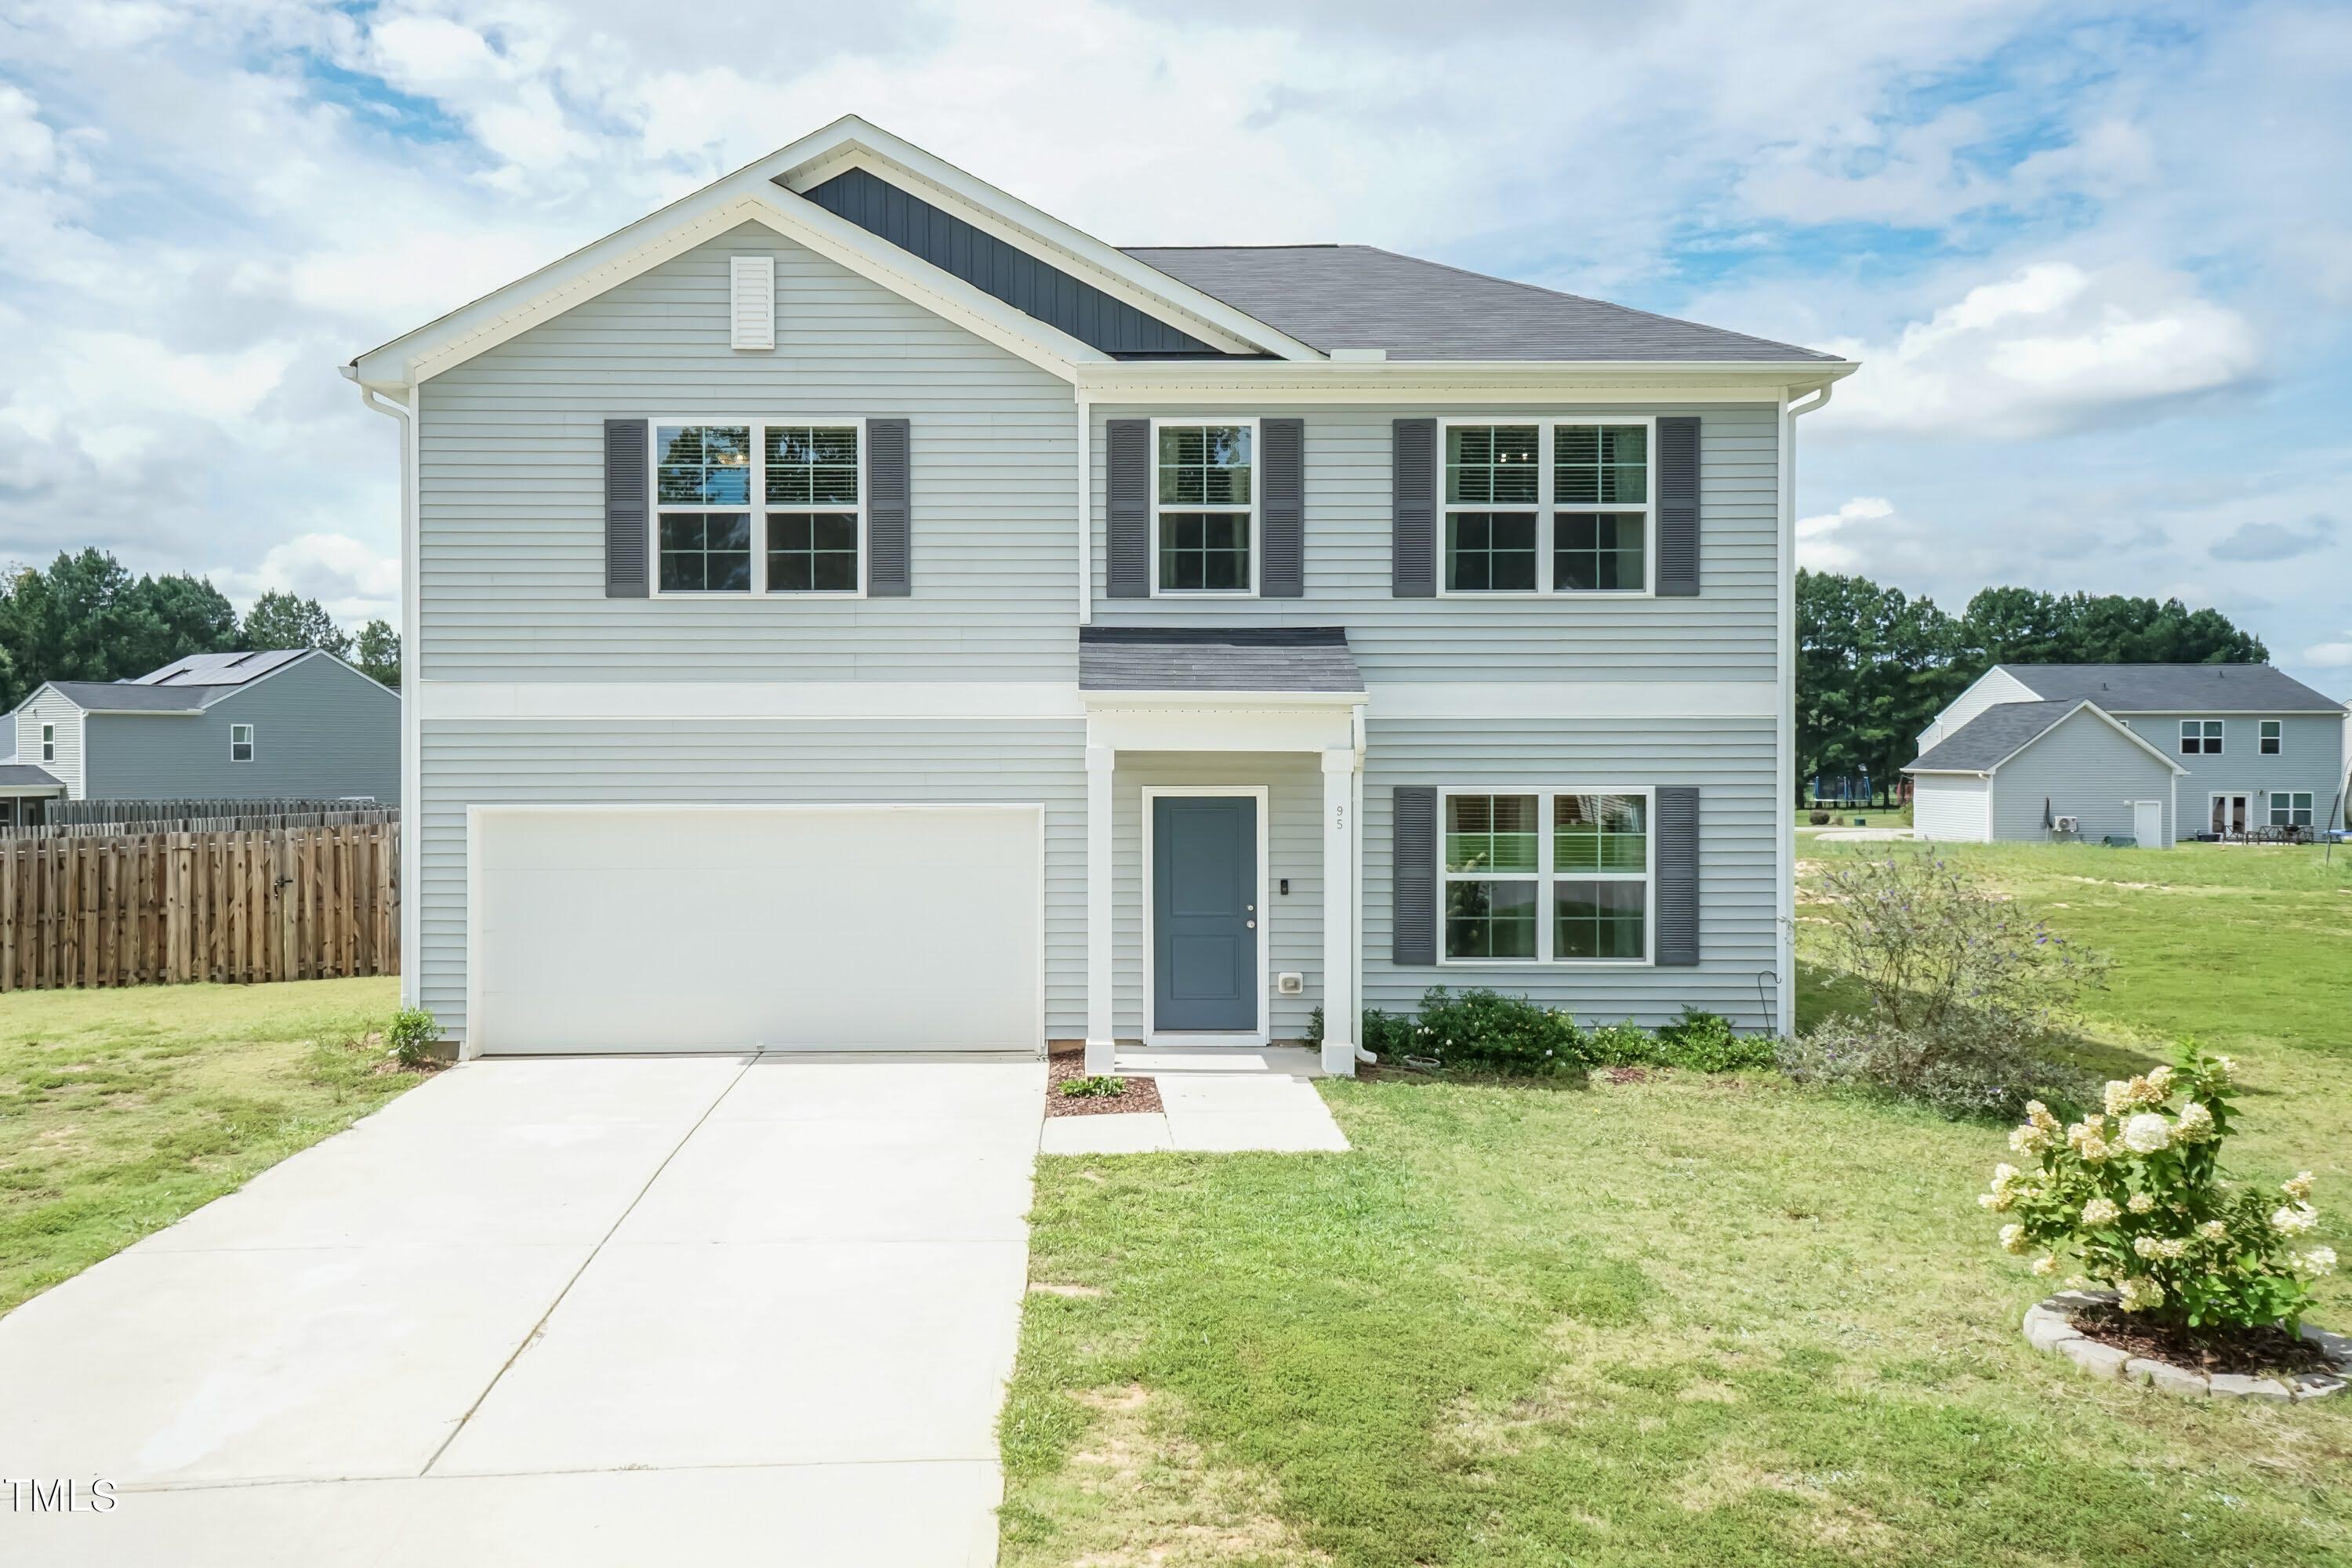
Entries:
{"x":2069,"y":824}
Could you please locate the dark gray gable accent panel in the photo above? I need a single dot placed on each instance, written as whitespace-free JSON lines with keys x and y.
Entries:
{"x":626,"y":491}
{"x":1678,"y":527}
{"x":1677,"y":831}
{"x":1413,"y":509}
{"x":1126,"y":566}
{"x":889,"y":573}
{"x":1282,"y":507}
{"x":994,"y":267}
{"x":1412,"y":919}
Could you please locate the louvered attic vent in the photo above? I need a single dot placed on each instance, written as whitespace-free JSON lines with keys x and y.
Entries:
{"x":751,"y":301}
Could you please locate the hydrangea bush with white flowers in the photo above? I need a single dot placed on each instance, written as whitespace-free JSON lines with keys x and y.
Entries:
{"x":2137,"y":1195}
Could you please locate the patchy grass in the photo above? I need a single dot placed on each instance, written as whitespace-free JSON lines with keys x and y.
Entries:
{"x":1680,"y":1321}
{"x":122,"y":1111}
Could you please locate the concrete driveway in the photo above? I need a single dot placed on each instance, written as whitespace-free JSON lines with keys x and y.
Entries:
{"x":589,"y":1310}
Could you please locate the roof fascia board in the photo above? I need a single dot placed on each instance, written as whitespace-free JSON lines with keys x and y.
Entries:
{"x":1147,"y":381}
{"x":697,"y":220}
{"x":2230,"y":712}
{"x":852,"y":140}
{"x":1950,"y":773}
{"x":1213,"y":697}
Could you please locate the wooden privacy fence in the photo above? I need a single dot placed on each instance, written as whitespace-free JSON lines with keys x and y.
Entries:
{"x":137,"y":816}
{"x":235,"y":907}
{"x":204,"y":824}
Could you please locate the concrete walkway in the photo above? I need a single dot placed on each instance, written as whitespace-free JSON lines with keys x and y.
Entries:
{"x":626,"y":1310}
{"x":1218,"y":1101}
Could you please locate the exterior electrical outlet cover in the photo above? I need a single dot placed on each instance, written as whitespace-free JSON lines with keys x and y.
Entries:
{"x":1290,"y":983}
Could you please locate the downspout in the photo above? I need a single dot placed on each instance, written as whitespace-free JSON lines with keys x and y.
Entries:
{"x":411,"y":843}
{"x":1356,"y":913}
{"x":1085,"y":506}
{"x":1784,"y":814}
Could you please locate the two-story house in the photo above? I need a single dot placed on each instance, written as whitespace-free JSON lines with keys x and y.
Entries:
{"x":2155,"y":752}
{"x":850,"y":607}
{"x":278,"y":724}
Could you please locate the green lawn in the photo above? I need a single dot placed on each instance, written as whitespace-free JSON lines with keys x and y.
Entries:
{"x":122,"y":1111}
{"x":1683,"y":1321}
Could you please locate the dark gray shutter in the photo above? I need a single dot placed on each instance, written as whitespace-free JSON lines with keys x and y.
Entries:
{"x":1677,"y":831}
{"x":625,"y":494}
{"x":1678,"y":507}
{"x":889,"y":573}
{"x":1412,"y":504}
{"x":1282,"y":507}
{"x":1127,"y":566}
{"x":1413,"y":875}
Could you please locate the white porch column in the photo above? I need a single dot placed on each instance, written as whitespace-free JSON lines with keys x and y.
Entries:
{"x":1102,"y":1050}
{"x":1339,"y":1019}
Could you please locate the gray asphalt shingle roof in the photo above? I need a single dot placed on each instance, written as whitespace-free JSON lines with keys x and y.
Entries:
{"x":1359,"y":297}
{"x":122,"y":696}
{"x":2169,"y":688}
{"x":220,"y":669}
{"x":1216,"y":659}
{"x":1992,"y":735}
{"x":22,"y":775}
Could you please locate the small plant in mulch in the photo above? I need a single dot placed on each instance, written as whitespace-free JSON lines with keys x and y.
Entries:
{"x":1101,"y":1086}
{"x":2218,"y":1272}
{"x":409,"y":1037}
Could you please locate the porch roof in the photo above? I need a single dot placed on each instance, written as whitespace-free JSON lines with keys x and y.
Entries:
{"x":1310,"y":659}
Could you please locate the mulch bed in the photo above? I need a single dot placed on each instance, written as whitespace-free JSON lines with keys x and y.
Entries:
{"x":2247,"y":1351}
{"x":1141,"y":1095}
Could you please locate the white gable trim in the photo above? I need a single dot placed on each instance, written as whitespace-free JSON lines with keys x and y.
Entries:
{"x":2117,"y":725}
{"x":1941,"y":725}
{"x":852,"y":142}
{"x":680,"y":227}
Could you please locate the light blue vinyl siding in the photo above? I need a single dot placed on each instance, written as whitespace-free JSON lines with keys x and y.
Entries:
{"x":512,"y":452}
{"x":2311,"y":758}
{"x":744,"y":762}
{"x":1724,"y":633}
{"x":321,"y":731}
{"x":1729,"y":761}
{"x":2082,"y":769}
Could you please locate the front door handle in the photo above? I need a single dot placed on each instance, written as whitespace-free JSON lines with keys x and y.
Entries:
{"x":1250,"y":925}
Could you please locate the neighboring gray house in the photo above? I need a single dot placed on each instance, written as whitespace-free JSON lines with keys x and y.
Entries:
{"x":2221,"y":750}
{"x":296,"y":723}
{"x":852,"y":608}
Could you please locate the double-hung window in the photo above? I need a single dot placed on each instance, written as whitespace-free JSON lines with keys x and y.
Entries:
{"x":1548,"y":506}
{"x":49,"y":742}
{"x":2200,"y":737}
{"x":1204,"y":506}
{"x":1546,"y":876}
{"x":240,"y":742}
{"x":2274,"y":740}
{"x":759,"y":508}
{"x":2291,"y":809}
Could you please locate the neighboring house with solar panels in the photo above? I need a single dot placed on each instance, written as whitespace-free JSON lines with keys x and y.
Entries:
{"x":851,"y":607}
{"x":296,"y":723}
{"x":2152,"y":751}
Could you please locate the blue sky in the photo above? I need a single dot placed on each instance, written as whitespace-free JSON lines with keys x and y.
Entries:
{"x":2098,"y":259}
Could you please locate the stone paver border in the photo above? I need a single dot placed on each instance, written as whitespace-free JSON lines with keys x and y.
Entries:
{"x":2049,"y":1326}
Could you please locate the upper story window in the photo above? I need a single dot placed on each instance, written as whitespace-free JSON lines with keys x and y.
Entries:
{"x":759,"y":508}
{"x":1576,"y":890}
{"x":1204,"y":508}
{"x":1553,"y":506}
{"x":49,"y":742}
{"x":240,"y":742}
{"x":2200,"y":737}
{"x":2274,"y":739}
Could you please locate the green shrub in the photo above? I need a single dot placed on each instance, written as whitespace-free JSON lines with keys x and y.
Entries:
{"x":411,"y":1033}
{"x":1490,"y":1032}
{"x":2139,"y":1197}
{"x":1962,"y":1073}
{"x":1706,"y":1042}
{"x":1100,"y":1087}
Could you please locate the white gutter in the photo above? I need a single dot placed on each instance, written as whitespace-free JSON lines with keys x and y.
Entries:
{"x":412,"y":761}
{"x":1784,"y":814}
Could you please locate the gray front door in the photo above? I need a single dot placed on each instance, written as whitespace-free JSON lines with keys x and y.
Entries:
{"x":1204,"y":912}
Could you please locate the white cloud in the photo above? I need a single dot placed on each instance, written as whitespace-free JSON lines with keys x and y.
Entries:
{"x":354,"y":581}
{"x":1820,"y":547}
{"x":2051,"y":348}
{"x":2330,"y":655}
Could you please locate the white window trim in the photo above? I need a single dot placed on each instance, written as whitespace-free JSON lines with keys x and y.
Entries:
{"x":1255,"y":511}
{"x":2272,"y":798}
{"x":251,"y":744}
{"x":1153,"y":1035}
{"x":49,"y":742}
{"x":1546,"y":874}
{"x":2221,"y":750}
{"x":758,"y":507}
{"x":2221,"y":795}
{"x":2268,"y":744}
{"x":1546,"y":508}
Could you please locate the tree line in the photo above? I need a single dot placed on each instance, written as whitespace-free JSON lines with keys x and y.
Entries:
{"x":1874,"y":665}
{"x":85,"y":617}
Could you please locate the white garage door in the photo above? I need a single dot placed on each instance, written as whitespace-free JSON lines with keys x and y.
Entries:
{"x":904,"y":928}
